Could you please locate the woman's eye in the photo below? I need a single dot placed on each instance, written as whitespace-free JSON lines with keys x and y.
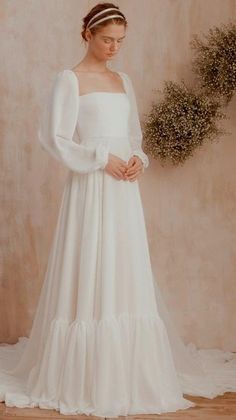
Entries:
{"x":107,"y":41}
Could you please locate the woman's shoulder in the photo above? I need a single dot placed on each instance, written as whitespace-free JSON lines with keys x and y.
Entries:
{"x":125,"y":76}
{"x":65,"y":84}
{"x":65,"y":78}
{"x":122,"y":73}
{"x":66,"y":74}
{"x":126,"y":79}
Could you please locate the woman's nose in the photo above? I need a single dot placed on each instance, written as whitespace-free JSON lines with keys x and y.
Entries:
{"x":114,"y":47}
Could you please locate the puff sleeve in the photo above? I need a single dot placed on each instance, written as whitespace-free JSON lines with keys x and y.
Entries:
{"x":135,"y":132}
{"x":58,"y":124}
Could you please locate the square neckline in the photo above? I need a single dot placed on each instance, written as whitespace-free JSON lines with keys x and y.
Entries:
{"x":102,"y":92}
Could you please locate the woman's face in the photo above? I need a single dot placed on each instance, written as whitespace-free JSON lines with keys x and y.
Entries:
{"x":106,"y":43}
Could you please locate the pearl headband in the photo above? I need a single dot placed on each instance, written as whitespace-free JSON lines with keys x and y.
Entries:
{"x":102,"y":19}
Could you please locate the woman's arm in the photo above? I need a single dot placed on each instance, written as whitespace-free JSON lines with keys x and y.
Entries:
{"x":135,"y":132}
{"x":57,"y":126}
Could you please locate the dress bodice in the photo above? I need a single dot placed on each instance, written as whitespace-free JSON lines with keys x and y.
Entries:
{"x":81,"y":130}
{"x":103,"y":114}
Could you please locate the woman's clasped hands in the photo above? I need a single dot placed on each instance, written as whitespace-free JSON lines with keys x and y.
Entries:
{"x":120,"y":169}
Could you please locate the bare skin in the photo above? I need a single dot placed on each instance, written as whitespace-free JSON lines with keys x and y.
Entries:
{"x":94,"y":72}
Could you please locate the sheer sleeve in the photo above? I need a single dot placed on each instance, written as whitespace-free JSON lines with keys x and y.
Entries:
{"x":135,"y":132}
{"x":58,"y":124}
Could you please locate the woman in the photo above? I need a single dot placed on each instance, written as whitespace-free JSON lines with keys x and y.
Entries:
{"x":99,"y":344}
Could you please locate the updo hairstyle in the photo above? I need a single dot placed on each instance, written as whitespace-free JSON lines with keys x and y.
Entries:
{"x":100,"y":7}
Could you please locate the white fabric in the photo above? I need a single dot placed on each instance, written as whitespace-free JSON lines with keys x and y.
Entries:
{"x":102,"y":342}
{"x":58,"y":127}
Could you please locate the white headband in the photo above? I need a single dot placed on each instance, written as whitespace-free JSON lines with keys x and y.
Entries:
{"x":102,"y":19}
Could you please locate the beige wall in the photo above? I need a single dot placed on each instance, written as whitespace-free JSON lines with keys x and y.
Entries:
{"x":190,"y":211}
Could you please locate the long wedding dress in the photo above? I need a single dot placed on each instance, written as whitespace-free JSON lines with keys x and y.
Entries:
{"x":102,"y":341}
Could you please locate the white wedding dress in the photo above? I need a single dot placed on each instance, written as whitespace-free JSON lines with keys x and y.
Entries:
{"x":102,"y":342}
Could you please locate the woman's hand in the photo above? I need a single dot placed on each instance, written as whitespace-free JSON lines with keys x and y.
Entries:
{"x":135,"y":167}
{"x":116,"y":167}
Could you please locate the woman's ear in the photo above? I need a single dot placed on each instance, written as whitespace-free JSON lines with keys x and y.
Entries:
{"x":88,"y":34}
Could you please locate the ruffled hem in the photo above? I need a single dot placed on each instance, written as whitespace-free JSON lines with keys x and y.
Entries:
{"x":23,"y":401}
{"x":111,"y":367}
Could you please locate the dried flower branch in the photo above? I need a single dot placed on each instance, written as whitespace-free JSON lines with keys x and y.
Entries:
{"x":180,"y":123}
{"x":215,"y":61}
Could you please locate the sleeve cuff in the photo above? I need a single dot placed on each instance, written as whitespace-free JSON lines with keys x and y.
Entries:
{"x":102,"y":154}
{"x":142,"y":156}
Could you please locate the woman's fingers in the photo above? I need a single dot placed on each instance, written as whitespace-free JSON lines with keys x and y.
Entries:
{"x":133,"y":171}
{"x":136,"y":167}
{"x":119,"y":171}
{"x":118,"y":168}
{"x":135,"y":176}
{"x":119,"y":174}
